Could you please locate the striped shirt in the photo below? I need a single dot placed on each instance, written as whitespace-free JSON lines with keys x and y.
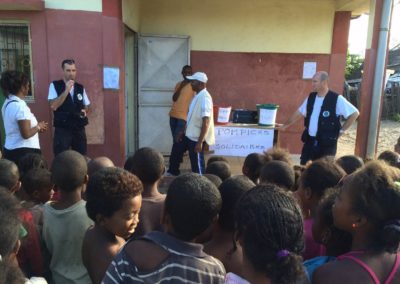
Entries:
{"x":187,"y":263}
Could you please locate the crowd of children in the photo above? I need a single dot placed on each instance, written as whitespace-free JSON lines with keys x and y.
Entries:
{"x":89,"y":221}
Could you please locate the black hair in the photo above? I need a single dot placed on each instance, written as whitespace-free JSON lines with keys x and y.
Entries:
{"x":147,"y":164}
{"x":36,"y":179}
{"x":98,"y":163}
{"x":269,"y":223}
{"x":390,"y":157}
{"x":31,"y":161}
{"x":278,"y":154}
{"x":339,"y":240}
{"x":231,"y":190}
{"x":252,"y":166}
{"x":9,"y":222}
{"x":192,"y":203}
{"x":67,"y":61}
{"x":9,"y":174}
{"x":321,"y":175}
{"x":376,"y":196}
{"x":220,"y":169}
{"x":279,"y":173}
{"x":12,"y":81}
{"x":213,"y":159}
{"x":350,"y":163}
{"x":108,"y":188}
{"x":216,"y":180}
{"x":186,"y":67}
{"x":68,"y":170}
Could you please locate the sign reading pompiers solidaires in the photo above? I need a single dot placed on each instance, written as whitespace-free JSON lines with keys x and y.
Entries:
{"x":241,"y":141}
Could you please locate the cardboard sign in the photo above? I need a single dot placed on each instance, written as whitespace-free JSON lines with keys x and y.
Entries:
{"x":241,"y":141}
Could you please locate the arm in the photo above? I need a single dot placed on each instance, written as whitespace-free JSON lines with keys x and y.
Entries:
{"x":27,"y":131}
{"x":292,"y":119}
{"x":350,"y":120}
{"x":57,"y":102}
{"x":204,"y":128}
{"x":178,"y":90}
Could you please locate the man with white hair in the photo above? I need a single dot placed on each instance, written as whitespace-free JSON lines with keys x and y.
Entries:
{"x":200,"y":122}
{"x":322,"y":110}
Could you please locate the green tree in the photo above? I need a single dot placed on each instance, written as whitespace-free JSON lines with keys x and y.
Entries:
{"x":354,"y":66}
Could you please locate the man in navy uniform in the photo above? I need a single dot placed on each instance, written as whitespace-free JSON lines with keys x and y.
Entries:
{"x":70,"y":103}
{"x":322,"y":110}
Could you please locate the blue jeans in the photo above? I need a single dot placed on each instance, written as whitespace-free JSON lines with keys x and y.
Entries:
{"x":196,"y":159}
{"x":178,"y":147}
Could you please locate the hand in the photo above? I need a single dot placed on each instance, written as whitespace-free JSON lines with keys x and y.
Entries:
{"x":199,"y":147}
{"x":42,"y":126}
{"x":281,"y":127}
{"x":69,"y":85}
{"x":83,"y":113}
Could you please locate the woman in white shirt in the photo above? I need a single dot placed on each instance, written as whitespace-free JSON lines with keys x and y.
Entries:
{"x":21,"y":126}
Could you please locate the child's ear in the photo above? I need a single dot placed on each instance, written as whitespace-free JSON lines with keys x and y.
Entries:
{"x":245,"y":170}
{"x":86,"y":179}
{"x":16,"y":187}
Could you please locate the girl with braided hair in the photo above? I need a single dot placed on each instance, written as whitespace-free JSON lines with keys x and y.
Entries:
{"x":269,"y":228}
{"x":368,"y":207}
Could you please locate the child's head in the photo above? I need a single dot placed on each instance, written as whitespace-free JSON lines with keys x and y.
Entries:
{"x":279,"y":173}
{"x":37,"y":185}
{"x":9,"y":223}
{"x":269,"y":227}
{"x":278,"y":154}
{"x":147,"y":164}
{"x":252,"y":166}
{"x":31,"y":161}
{"x":213,"y":159}
{"x":113,"y":200}
{"x":369,"y":204}
{"x":350,"y":163}
{"x":9,"y":175}
{"x":316,"y":178}
{"x":216,"y":180}
{"x":220,"y":169}
{"x":323,"y":228}
{"x":99,"y":163}
{"x":69,"y":171}
{"x":390,"y":157}
{"x":231,"y":190}
{"x":191,"y":205}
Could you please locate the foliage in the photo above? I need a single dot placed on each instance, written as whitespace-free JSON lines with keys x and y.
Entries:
{"x":354,"y":65}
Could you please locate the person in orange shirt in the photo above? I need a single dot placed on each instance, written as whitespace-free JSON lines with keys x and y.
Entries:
{"x":182,"y":97}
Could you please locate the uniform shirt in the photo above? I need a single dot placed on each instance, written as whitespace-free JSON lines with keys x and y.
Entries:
{"x":53,"y":94}
{"x":186,"y":263}
{"x":13,"y":112}
{"x":343,"y":108}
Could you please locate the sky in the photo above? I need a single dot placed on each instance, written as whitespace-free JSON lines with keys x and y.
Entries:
{"x":359,"y":28}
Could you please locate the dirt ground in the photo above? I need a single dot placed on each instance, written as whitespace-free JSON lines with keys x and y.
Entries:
{"x":388,"y":135}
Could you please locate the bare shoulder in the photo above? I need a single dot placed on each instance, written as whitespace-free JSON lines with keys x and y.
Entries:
{"x":155,"y":254}
{"x":338,"y":272}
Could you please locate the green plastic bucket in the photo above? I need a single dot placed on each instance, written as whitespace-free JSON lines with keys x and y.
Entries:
{"x":267,"y":114}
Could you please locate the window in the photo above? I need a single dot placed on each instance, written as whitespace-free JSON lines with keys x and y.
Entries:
{"x":15,"y":50}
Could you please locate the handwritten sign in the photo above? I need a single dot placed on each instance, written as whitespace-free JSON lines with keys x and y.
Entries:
{"x":241,"y":141}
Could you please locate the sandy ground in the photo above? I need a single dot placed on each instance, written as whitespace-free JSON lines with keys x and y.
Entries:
{"x":388,"y":135}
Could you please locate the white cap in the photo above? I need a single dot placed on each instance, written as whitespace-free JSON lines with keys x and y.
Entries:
{"x":199,"y":76}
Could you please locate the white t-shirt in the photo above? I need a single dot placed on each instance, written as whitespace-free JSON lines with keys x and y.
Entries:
{"x":13,"y":112}
{"x":343,"y":108}
{"x":53,"y":94}
{"x":206,"y":109}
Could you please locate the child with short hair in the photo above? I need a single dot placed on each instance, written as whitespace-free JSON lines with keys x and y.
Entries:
{"x":65,"y":221}
{"x":113,"y":203}
{"x":213,"y":159}
{"x":315,"y":180}
{"x":252,"y":166}
{"x":191,"y":205}
{"x":368,"y":207}
{"x":279,"y":173}
{"x":350,"y":163}
{"x":99,"y":163}
{"x":269,"y":228}
{"x":148,"y":165}
{"x":219,"y":168}
{"x":278,"y":154}
{"x":324,"y":232}
{"x":390,"y":157}
{"x":220,"y":245}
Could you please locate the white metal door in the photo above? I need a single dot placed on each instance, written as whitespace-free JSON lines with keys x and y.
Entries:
{"x":161,"y":59}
